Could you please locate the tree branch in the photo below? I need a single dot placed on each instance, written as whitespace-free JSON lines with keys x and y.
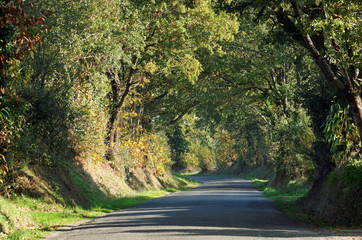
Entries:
{"x":175,"y":120}
{"x":321,"y":61}
{"x":158,"y":97}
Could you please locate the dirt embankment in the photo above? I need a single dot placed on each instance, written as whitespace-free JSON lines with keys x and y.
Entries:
{"x":88,"y":182}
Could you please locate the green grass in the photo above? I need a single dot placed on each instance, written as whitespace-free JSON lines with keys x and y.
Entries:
{"x":287,"y":198}
{"x":214,"y":175}
{"x":185,"y":177}
{"x":29,"y":218}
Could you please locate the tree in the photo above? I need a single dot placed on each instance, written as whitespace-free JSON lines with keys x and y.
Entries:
{"x":330,"y":31}
{"x":158,"y":41}
{"x":67,"y":86}
{"x":179,"y":146}
{"x":21,"y":28}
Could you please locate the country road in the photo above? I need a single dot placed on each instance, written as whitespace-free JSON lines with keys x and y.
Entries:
{"x":220,"y":208}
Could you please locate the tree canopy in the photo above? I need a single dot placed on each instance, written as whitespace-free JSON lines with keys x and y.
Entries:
{"x":183,"y":85}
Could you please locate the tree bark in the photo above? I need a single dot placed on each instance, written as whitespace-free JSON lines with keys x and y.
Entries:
{"x":119,"y":99}
{"x":355,"y":102}
{"x":352,"y":93}
{"x":115,"y":120}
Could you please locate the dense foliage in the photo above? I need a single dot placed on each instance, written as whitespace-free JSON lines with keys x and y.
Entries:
{"x":187,"y":85}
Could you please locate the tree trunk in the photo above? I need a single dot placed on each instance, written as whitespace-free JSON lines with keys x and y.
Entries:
{"x":112,"y":132}
{"x":355,"y":102}
{"x":114,"y":123}
{"x":351,"y":91}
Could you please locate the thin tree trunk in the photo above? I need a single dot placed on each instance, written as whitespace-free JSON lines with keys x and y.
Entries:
{"x":114,"y":122}
{"x":117,"y":110}
{"x":355,"y":102}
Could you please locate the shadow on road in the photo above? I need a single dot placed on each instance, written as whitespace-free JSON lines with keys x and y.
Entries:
{"x":219,"y":207}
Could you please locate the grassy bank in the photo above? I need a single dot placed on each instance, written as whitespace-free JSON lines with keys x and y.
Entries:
{"x":329,"y":208}
{"x":287,"y":198}
{"x":24,"y":217}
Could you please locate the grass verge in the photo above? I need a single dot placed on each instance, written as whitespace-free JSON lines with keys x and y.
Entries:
{"x":29,"y":218}
{"x":287,"y":198}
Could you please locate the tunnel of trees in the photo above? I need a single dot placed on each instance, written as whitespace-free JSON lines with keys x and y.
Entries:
{"x":186,"y":85}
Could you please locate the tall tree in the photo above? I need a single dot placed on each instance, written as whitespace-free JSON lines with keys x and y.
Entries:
{"x":21,"y":28}
{"x":329,"y":30}
{"x":158,"y":41}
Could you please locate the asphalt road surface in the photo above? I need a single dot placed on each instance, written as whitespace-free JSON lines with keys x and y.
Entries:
{"x":220,"y":208}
